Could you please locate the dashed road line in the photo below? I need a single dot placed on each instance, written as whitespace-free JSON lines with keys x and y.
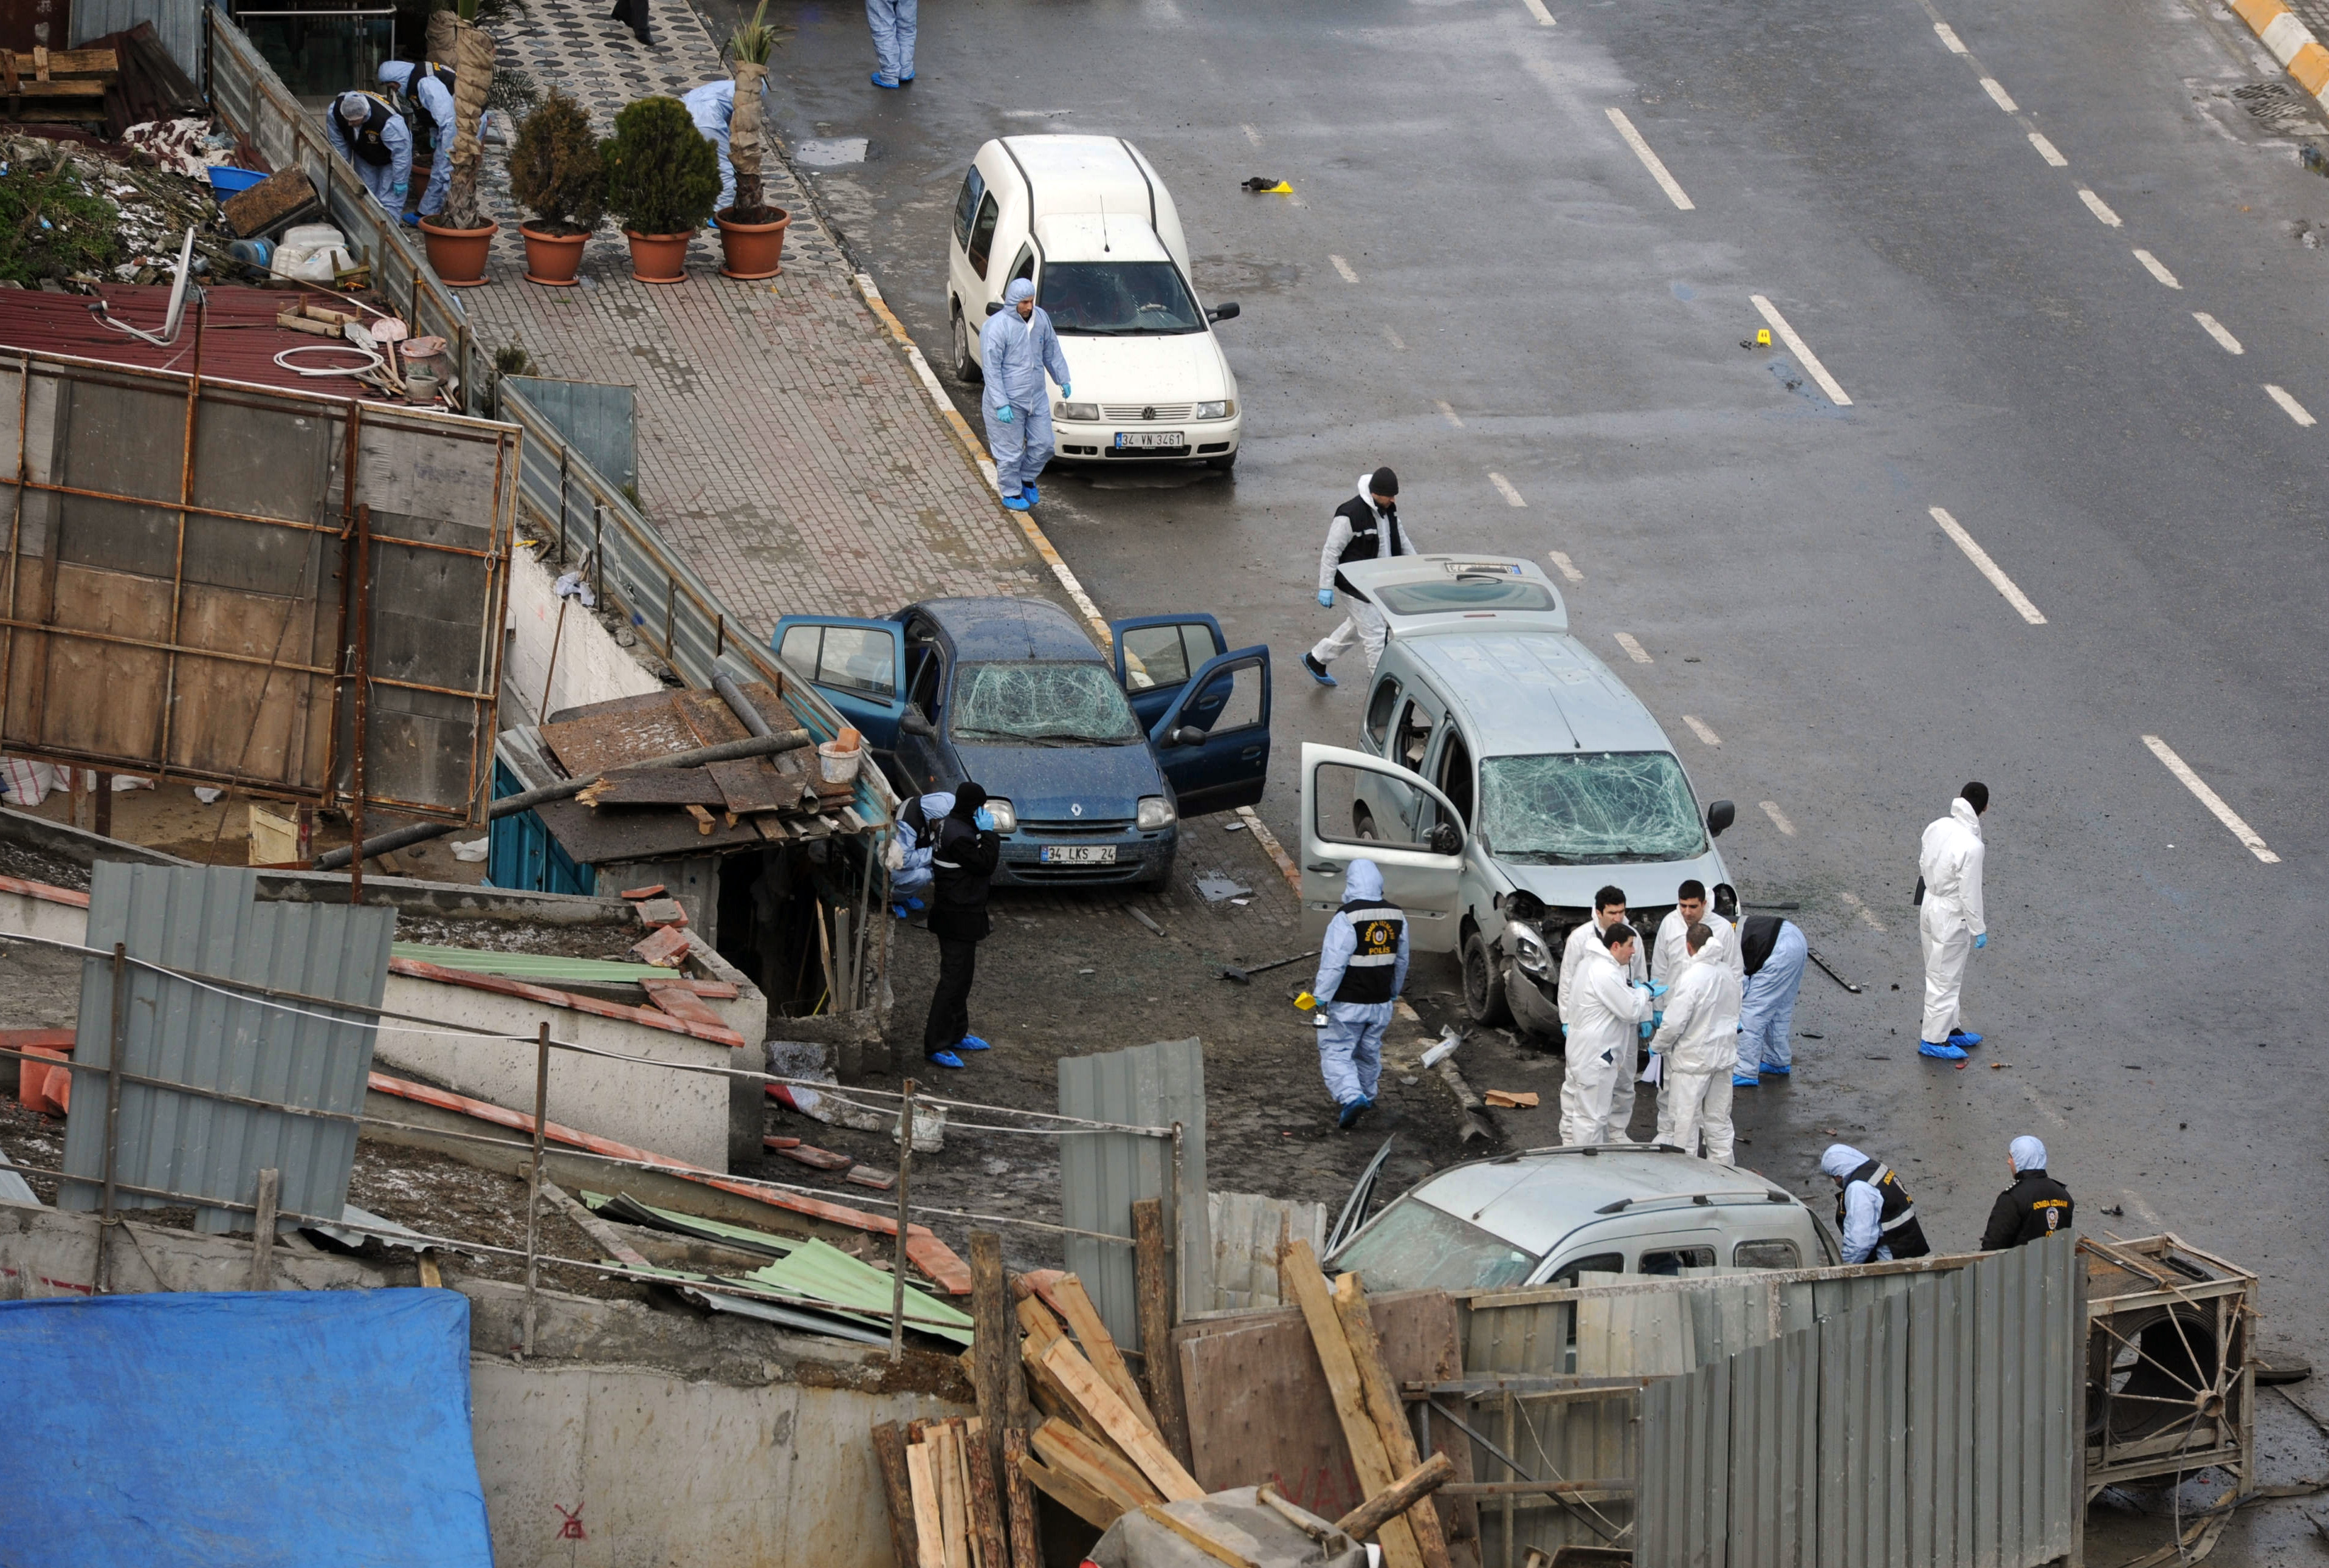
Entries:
{"x":1802,"y":351}
{"x":1634,"y":650}
{"x":1568,"y":567}
{"x":1504,"y":487}
{"x":2152,"y":265}
{"x":1650,"y":160}
{"x":1344,"y":268}
{"x":1862,"y":910}
{"x":1396,"y":341}
{"x":1779,"y":818}
{"x":2098,"y":207}
{"x":2211,"y":800}
{"x":1536,"y":9}
{"x":2290,"y":405}
{"x":2135,"y":1200}
{"x":2215,"y":329}
{"x":1251,"y":134}
{"x":1989,"y":84}
{"x":1949,"y":37}
{"x":1988,"y":568}
{"x":2048,"y":151}
{"x":1449,"y":414}
{"x":1698,"y":727}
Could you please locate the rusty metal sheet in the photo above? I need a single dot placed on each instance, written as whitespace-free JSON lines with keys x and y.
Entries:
{"x":709,"y":715}
{"x":753,"y":784}
{"x":659,"y":787}
{"x":596,"y":742}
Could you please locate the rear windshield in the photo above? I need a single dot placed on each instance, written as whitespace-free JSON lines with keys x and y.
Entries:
{"x":1468,"y":592}
{"x":1117,"y":299}
{"x":1042,"y":705}
{"x":1413,"y":1246}
{"x":1588,"y":809}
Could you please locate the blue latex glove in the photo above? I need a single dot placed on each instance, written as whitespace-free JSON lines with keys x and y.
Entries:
{"x":985,"y":819}
{"x":1658,"y":1019}
{"x":1648,"y":1028}
{"x":1982,"y":940}
{"x":1066,"y":390}
{"x":1655,"y":988}
{"x":1326,"y":598}
{"x":1003,"y":414}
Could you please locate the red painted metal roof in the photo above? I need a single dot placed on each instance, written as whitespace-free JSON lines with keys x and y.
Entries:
{"x":238,"y":337}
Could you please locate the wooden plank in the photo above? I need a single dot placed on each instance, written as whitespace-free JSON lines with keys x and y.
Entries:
{"x":995,"y":1344}
{"x":1070,"y":1493}
{"x":1219,"y":1551}
{"x":1153,"y":1297}
{"x":1099,"y":1348}
{"x":1019,"y":1502}
{"x":1389,"y":1414}
{"x":1094,"y":1463}
{"x":889,"y":1452}
{"x":927,"y":1523}
{"x":953,"y":1503}
{"x":1045,"y":1391}
{"x":1040,"y":1327}
{"x":1301,"y":1275}
{"x":1142,"y":1446}
{"x":1404,"y":1494}
{"x":84,"y":88}
{"x":985,"y":1497}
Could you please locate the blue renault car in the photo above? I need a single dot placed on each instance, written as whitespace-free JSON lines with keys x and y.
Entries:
{"x":1090,"y":760}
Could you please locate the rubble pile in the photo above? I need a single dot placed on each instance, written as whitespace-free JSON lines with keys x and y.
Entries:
{"x":74,"y":216}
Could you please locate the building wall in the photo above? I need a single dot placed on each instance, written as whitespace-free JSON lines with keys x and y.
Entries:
{"x":591,"y":667}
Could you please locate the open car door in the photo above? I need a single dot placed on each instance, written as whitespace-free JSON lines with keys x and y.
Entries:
{"x":1423,"y":878}
{"x":1213,"y":742}
{"x":859,"y":665}
{"x":1155,"y":655}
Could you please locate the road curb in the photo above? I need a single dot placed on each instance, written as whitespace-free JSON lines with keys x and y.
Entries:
{"x":2290,"y":42}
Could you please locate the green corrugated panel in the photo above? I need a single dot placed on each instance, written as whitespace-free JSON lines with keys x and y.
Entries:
{"x":546,"y":966}
{"x":631,"y":1210}
{"x":829,"y":1274}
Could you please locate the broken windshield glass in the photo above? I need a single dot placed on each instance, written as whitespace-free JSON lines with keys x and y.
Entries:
{"x":1589,"y":807}
{"x":1412,"y":1246}
{"x":1035,"y":704}
{"x":1117,"y":299}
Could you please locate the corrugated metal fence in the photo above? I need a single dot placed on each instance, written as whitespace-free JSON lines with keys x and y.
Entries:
{"x":177,"y":26}
{"x":1103,"y":1173}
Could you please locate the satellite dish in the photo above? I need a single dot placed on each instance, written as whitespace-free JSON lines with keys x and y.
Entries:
{"x":174,"y":315}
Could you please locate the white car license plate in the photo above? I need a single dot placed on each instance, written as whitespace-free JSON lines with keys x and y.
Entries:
{"x":1149,"y":440}
{"x":1079,"y":854}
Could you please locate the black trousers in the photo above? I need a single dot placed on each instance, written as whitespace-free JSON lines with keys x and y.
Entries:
{"x":949,"y":1018}
{"x":633,"y":13}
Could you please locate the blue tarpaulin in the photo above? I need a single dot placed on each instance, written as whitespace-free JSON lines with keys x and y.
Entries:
{"x":304,"y":1428}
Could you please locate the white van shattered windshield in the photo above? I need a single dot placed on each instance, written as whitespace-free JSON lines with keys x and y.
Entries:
{"x":1042,"y":705}
{"x":1117,"y":299}
{"x":1588,"y":808}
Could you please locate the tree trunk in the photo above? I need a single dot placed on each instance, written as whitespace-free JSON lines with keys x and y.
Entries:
{"x":744,"y":141}
{"x":473,"y":79}
{"x":441,"y":25}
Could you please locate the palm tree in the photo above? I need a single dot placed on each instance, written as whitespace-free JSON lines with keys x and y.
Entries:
{"x":749,"y":48}
{"x":473,"y":79}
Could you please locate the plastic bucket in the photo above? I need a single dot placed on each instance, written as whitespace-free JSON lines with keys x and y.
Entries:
{"x":839,"y":765}
{"x":227,"y":180}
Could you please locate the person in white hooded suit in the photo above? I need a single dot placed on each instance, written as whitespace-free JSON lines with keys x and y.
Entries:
{"x":1949,"y":924}
{"x":1698,"y":1035}
{"x":1604,"y":1011}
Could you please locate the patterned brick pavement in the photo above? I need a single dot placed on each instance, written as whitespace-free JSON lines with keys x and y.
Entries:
{"x":785,"y":443}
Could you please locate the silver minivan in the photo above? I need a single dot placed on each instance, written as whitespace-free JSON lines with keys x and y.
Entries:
{"x":1503,"y":775}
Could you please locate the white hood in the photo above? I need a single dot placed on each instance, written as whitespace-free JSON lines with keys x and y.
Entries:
{"x":1183,"y":367}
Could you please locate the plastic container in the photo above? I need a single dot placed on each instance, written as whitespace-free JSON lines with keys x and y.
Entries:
{"x":226,"y":179}
{"x":837,"y":762}
{"x":258,"y":253}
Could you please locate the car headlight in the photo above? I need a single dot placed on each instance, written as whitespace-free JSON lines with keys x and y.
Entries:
{"x":1529,"y":949}
{"x":1155,"y":811}
{"x":1006,"y":819}
{"x":1220,"y":410}
{"x":1081,"y":414}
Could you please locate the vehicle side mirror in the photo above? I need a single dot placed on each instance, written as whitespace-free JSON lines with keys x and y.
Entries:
{"x":912,"y":723}
{"x":1186,"y":735}
{"x":1227,"y":310}
{"x":993,"y":305}
{"x":1719,"y":815}
{"x":1446,"y":840}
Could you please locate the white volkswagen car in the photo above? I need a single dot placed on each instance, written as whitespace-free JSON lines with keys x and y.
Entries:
{"x":1088,"y":220}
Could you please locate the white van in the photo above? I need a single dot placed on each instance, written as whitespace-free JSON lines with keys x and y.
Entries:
{"x":1090,"y":221}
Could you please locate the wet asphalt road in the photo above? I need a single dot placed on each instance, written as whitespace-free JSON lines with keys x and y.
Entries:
{"x":1516,"y":299}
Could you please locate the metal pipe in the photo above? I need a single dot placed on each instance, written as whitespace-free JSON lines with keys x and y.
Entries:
{"x":737,"y":703}
{"x":533,"y":1178}
{"x":898,"y":1263}
{"x":107,"y":1219}
{"x":511,"y":805}
{"x":1180,"y":1228}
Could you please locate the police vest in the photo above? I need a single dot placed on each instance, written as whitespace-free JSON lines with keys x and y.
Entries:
{"x":1896,"y":1222}
{"x":369,"y":141}
{"x":1373,"y":969}
{"x":1367,"y":536}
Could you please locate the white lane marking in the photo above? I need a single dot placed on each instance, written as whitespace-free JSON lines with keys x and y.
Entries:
{"x":1536,"y":9}
{"x":2048,"y":151}
{"x":1505,"y":488}
{"x":1650,"y":160}
{"x":2290,"y":405}
{"x":1634,"y":650}
{"x":1449,"y":414}
{"x":1988,"y":568}
{"x":2098,"y":207}
{"x":1698,"y":727}
{"x":1397,"y":342}
{"x":1344,"y":268}
{"x":1251,"y":134}
{"x":1949,"y":37}
{"x":1862,"y":910}
{"x":1779,"y":818}
{"x":1802,"y":351}
{"x":2038,"y":1105}
{"x":2135,"y":1200}
{"x":2151,"y":264}
{"x":1568,"y":567}
{"x":2215,"y":329}
{"x":1990,"y":86}
{"x":2211,"y":800}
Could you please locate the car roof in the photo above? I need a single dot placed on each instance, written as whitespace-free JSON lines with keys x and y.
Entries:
{"x":1073,"y":173}
{"x":1009,"y":628}
{"x":1092,"y":237}
{"x":1534,"y":1199}
{"x":1389,"y":570}
{"x":1530,"y":693}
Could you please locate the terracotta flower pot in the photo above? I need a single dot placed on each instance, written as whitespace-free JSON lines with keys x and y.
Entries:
{"x":658,"y":258}
{"x":552,"y":259}
{"x":458,"y":255}
{"x":753,"y":249}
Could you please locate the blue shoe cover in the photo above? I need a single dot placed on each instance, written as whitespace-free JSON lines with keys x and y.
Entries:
{"x":1776,"y":1072}
{"x":944,"y":1059}
{"x":1965,"y":1038}
{"x":1018,"y":503}
{"x":877,"y":79}
{"x":1940,"y":1053}
{"x":1034,"y":496}
{"x":1353,"y":1111}
{"x":972,"y":1042}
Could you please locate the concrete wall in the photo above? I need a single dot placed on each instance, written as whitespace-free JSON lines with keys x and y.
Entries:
{"x":591,"y":667}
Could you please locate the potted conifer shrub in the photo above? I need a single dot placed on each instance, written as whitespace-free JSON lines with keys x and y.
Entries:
{"x":459,"y":238}
{"x":751,"y":232}
{"x":663,"y":180}
{"x":556,"y":172}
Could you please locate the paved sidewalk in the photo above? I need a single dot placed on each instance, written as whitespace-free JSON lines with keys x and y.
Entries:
{"x":785,"y":445}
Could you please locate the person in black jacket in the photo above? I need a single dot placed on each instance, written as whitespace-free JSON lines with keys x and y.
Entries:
{"x":2035,"y":1207}
{"x":963,"y":856}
